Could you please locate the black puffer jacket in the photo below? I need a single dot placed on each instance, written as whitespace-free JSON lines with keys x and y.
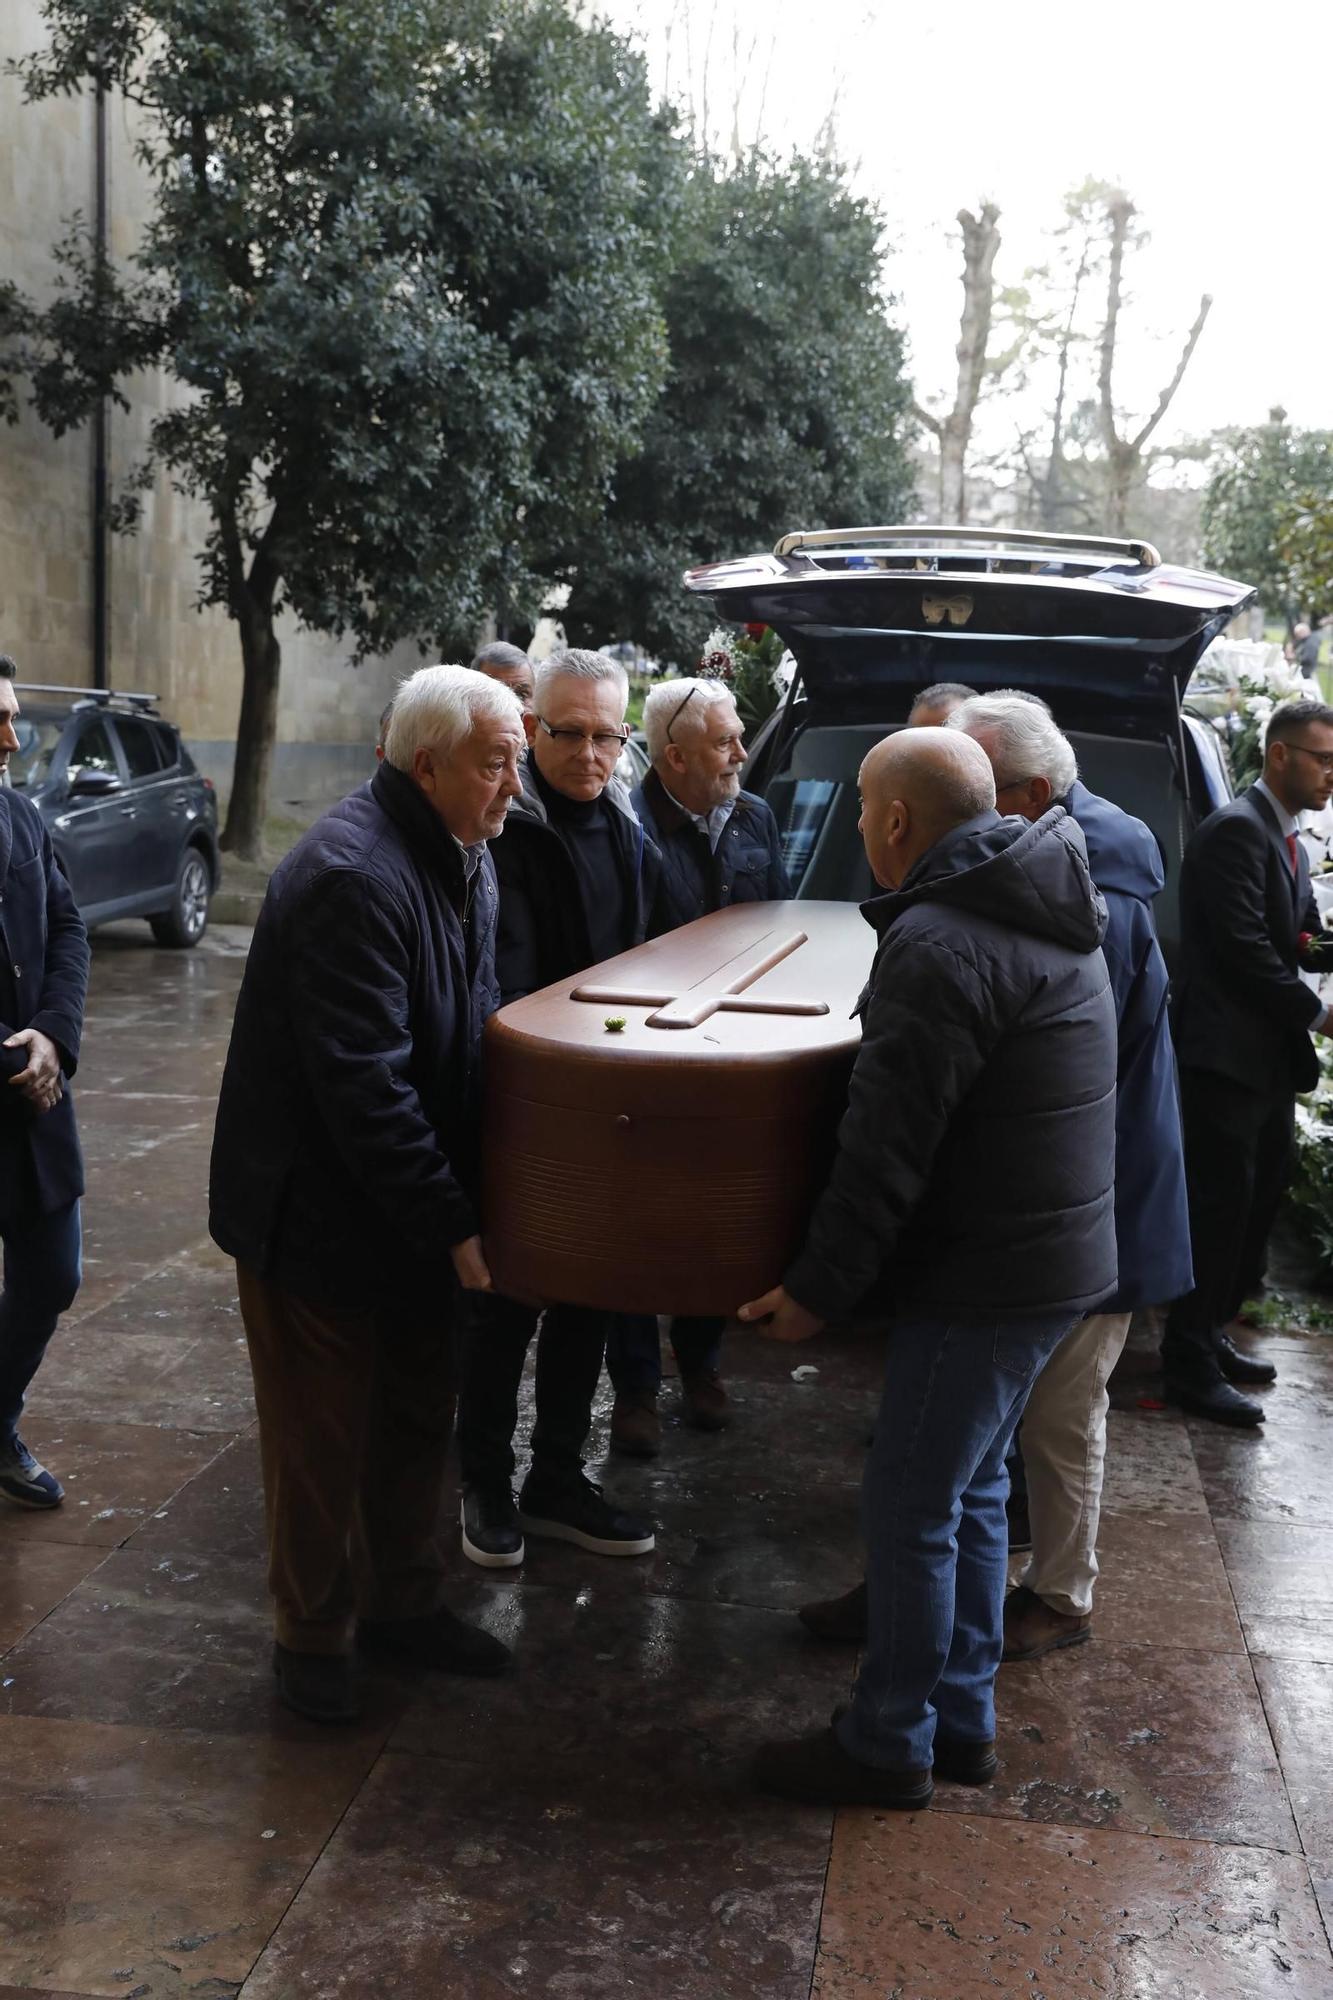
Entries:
{"x":347,"y":1139}
{"x":746,"y":868}
{"x":543,"y":933}
{"x":976,"y":1160}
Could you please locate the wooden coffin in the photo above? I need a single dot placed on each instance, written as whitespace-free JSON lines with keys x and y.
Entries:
{"x":669,"y":1166}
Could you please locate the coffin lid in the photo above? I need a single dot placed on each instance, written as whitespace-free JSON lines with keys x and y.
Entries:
{"x":822,"y":953}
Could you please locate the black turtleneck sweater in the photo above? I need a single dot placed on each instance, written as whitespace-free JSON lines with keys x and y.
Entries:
{"x":585,"y":827}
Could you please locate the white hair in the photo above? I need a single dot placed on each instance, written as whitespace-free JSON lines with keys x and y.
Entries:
{"x":436,"y":707}
{"x":679,"y":706}
{"x":1024,"y":741}
{"x":575,"y":664}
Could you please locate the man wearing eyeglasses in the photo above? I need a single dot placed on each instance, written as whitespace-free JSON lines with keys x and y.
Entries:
{"x":579,"y":881}
{"x":719,"y":846}
{"x":1243,"y":1017}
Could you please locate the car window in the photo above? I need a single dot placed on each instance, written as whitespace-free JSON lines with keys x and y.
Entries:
{"x":168,"y":744}
{"x":94,"y":751}
{"x":139,"y":741}
{"x":30,"y":764}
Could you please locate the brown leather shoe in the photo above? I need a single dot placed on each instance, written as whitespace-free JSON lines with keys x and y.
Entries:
{"x":1032,"y":1627}
{"x":840,"y":1621}
{"x":636,"y":1428}
{"x":704,"y":1402}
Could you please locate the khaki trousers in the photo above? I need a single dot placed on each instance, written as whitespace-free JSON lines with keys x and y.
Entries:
{"x":1064,"y":1454}
{"x":355,"y":1413}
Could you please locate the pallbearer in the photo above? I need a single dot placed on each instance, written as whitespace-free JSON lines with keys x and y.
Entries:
{"x":344,"y":1167}
{"x":578,"y":880}
{"x":973,"y":1183}
{"x":720,"y":847}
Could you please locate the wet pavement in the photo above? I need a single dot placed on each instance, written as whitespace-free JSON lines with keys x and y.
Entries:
{"x":1162,"y":1825}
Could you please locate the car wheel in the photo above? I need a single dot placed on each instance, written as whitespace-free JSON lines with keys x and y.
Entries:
{"x":187,"y":919}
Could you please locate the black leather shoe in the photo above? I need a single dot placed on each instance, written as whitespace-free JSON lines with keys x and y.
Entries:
{"x":964,"y":1762}
{"x":438,"y":1640}
{"x":839,"y":1621}
{"x":1238,"y":1366}
{"x":817,"y":1770}
{"x":321,"y":1686}
{"x":1215,"y":1399}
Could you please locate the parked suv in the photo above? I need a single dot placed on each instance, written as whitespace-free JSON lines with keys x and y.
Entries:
{"x":1103,"y":631}
{"x":133,"y":823}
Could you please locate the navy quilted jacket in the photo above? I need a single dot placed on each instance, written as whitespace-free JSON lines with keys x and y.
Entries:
{"x":346,"y":1147}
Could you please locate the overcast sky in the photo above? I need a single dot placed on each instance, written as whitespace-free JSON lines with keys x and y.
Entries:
{"x":1217,"y":120}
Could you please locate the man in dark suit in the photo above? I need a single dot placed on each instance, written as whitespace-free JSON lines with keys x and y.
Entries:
{"x":1243,"y":1019}
{"x":43,"y":986}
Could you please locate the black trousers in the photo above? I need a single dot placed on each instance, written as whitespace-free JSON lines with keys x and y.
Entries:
{"x":497,"y":1333}
{"x":1238,"y":1154}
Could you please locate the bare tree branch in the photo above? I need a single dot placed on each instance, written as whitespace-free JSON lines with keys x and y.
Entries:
{"x":1164,"y":400}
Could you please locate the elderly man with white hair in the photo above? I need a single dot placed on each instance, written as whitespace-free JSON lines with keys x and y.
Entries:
{"x":578,"y":880}
{"x":719,"y":846}
{"x":1063,"y":1438}
{"x":344,"y":1184}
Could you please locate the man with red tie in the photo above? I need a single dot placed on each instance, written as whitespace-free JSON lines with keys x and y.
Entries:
{"x":1243,"y":1019}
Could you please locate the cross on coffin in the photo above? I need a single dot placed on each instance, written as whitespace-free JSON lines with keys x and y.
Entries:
{"x":692,"y":1007}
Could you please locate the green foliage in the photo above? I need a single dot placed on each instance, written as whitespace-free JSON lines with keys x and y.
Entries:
{"x":1256,"y":477}
{"x":1305,"y":545}
{"x":786,"y":404}
{"x":405,"y":259}
{"x":1310,"y":1196}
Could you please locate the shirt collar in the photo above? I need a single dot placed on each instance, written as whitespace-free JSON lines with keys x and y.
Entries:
{"x":712,"y":825}
{"x":1287,"y":822}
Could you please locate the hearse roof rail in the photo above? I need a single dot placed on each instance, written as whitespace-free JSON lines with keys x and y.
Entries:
{"x":988,"y":543}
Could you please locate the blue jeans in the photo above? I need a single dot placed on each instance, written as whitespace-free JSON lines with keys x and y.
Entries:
{"x":43,"y":1270}
{"x":937,"y":1540}
{"x":634,"y":1355}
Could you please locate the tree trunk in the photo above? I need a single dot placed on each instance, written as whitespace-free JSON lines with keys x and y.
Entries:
{"x":981,"y":240}
{"x":1125,"y":455}
{"x":255,"y":734}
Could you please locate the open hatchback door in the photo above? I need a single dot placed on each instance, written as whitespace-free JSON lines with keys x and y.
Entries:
{"x":1104,"y":631}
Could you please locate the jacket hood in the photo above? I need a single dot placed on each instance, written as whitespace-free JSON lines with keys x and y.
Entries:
{"x":1030,"y":876}
{"x":1123,"y":854}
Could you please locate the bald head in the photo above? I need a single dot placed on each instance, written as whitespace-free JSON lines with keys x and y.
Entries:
{"x":916,"y":786}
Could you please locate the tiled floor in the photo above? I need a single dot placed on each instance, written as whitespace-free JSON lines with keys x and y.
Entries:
{"x":1162,"y":1826}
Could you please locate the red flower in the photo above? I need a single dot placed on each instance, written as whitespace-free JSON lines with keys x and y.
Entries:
{"x":755,"y":631}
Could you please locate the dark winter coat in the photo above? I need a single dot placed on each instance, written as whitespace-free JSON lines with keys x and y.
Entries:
{"x":746,"y":868}
{"x":43,"y":984}
{"x":346,"y":1149}
{"x":1152,"y":1224}
{"x":1240,"y":1006}
{"x":976,"y":1159}
{"x":543,"y":930}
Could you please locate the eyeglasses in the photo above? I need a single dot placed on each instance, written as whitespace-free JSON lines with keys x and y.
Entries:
{"x":606,"y":742}
{"x":1324,"y":758}
{"x":678,"y":711}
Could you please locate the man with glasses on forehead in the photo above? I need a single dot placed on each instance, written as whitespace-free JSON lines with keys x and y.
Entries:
{"x":719,"y":846}
{"x":1243,"y":1017}
{"x":578,"y":884}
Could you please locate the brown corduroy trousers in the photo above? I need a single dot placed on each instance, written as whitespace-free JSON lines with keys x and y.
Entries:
{"x":355,"y":1413}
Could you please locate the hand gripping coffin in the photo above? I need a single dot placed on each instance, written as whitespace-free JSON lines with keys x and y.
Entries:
{"x":657,"y":1129}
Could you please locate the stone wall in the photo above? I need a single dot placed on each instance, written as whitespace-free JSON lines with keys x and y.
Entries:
{"x":159,"y":640}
